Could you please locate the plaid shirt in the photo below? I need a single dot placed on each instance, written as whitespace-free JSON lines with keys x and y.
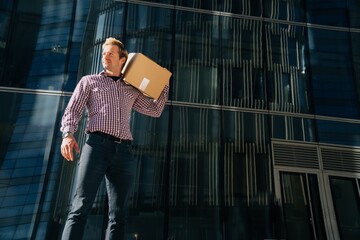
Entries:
{"x":109,"y":104}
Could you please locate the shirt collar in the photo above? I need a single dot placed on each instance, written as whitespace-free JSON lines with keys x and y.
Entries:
{"x":103,"y":73}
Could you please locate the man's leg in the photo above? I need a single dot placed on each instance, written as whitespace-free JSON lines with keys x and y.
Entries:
{"x":119,"y":182}
{"x":91,"y":170}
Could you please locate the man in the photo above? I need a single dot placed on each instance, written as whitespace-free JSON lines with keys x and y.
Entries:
{"x":107,"y":151}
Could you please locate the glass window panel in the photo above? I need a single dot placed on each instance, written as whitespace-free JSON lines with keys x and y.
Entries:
{"x":247,"y":41}
{"x":287,"y":75}
{"x":192,"y":125}
{"x":284,"y":10}
{"x":247,"y":7}
{"x":342,"y":133}
{"x":146,"y":225}
{"x":41,"y":61}
{"x":278,"y":129}
{"x":294,"y":50}
{"x":147,"y":130}
{"x":4,"y":26}
{"x":354,"y":13}
{"x":118,"y":21}
{"x":243,"y":83}
{"x":237,"y":85}
{"x":327,"y":12}
{"x":10,"y":212}
{"x":145,"y":18}
{"x":26,"y":164}
{"x":10,"y":201}
{"x":149,"y":32}
{"x":161,"y":1}
{"x":316,"y":207}
{"x":100,"y":26}
{"x":196,"y":52}
{"x":240,"y":127}
{"x":346,"y":201}
{"x":355,"y":44}
{"x":194,"y":223}
{"x":41,"y":231}
{"x":276,"y":49}
{"x":243,"y":7}
{"x":23,"y":231}
{"x":244,"y":161}
{"x":28,"y":123}
{"x":332,"y":74}
{"x":293,"y":128}
{"x":194,"y":197}
{"x":149,"y":148}
{"x":31,"y":199}
{"x":302,"y":219}
{"x":287,"y":87}
{"x":6,"y":5}
{"x":7,"y":232}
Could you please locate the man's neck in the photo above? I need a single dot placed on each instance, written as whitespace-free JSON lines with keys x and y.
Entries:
{"x":114,"y":74}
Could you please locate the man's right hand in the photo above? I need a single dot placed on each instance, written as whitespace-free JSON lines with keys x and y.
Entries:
{"x":68,"y":145}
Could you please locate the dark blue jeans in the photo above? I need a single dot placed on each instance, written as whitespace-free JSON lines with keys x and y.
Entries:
{"x":99,"y":158}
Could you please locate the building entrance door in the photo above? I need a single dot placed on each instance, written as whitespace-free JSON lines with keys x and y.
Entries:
{"x":317,"y":209}
{"x":318,"y":189}
{"x":302,"y":206}
{"x":346,"y":201}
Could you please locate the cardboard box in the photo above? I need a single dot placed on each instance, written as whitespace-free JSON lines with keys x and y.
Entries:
{"x":145,"y":75}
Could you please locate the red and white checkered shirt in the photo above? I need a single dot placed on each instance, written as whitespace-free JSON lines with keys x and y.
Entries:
{"x":109,"y":104}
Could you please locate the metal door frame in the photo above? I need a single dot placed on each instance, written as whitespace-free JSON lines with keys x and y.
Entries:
{"x":328,"y":212}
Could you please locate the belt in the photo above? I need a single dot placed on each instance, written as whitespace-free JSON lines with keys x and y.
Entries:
{"x":111,"y":138}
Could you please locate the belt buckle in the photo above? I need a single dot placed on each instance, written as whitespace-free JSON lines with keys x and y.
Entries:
{"x":118,"y":141}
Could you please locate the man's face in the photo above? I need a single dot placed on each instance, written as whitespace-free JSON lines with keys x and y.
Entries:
{"x":111,"y":60}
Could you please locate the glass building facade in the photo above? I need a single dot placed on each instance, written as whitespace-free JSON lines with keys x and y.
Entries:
{"x":260,"y":138}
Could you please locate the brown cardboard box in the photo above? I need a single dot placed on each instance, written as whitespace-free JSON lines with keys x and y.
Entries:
{"x":145,"y":74}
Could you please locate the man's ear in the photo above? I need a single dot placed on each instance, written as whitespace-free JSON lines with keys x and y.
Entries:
{"x":123,"y":60}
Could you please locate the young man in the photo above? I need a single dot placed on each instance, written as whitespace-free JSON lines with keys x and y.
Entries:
{"x":109,"y":102}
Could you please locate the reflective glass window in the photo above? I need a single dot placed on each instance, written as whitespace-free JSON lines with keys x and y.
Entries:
{"x":194,"y":193}
{"x":27,"y":123}
{"x":146,"y":219}
{"x":148,"y":31}
{"x":196,"y":54}
{"x":4,"y":26}
{"x":327,"y":12}
{"x":161,"y":1}
{"x":302,"y":206}
{"x":286,"y":68}
{"x":241,"y":72}
{"x":243,"y":7}
{"x":6,"y":5}
{"x":332,"y":77}
{"x":284,"y":10}
{"x":244,"y":159}
{"x":146,"y":130}
{"x":100,"y":25}
{"x":293,"y":128}
{"x":343,"y":133}
{"x":240,"y":128}
{"x":354,"y":13}
{"x":345,"y":192}
{"x":40,"y":62}
{"x":22,"y":231}
{"x":355,"y":46}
